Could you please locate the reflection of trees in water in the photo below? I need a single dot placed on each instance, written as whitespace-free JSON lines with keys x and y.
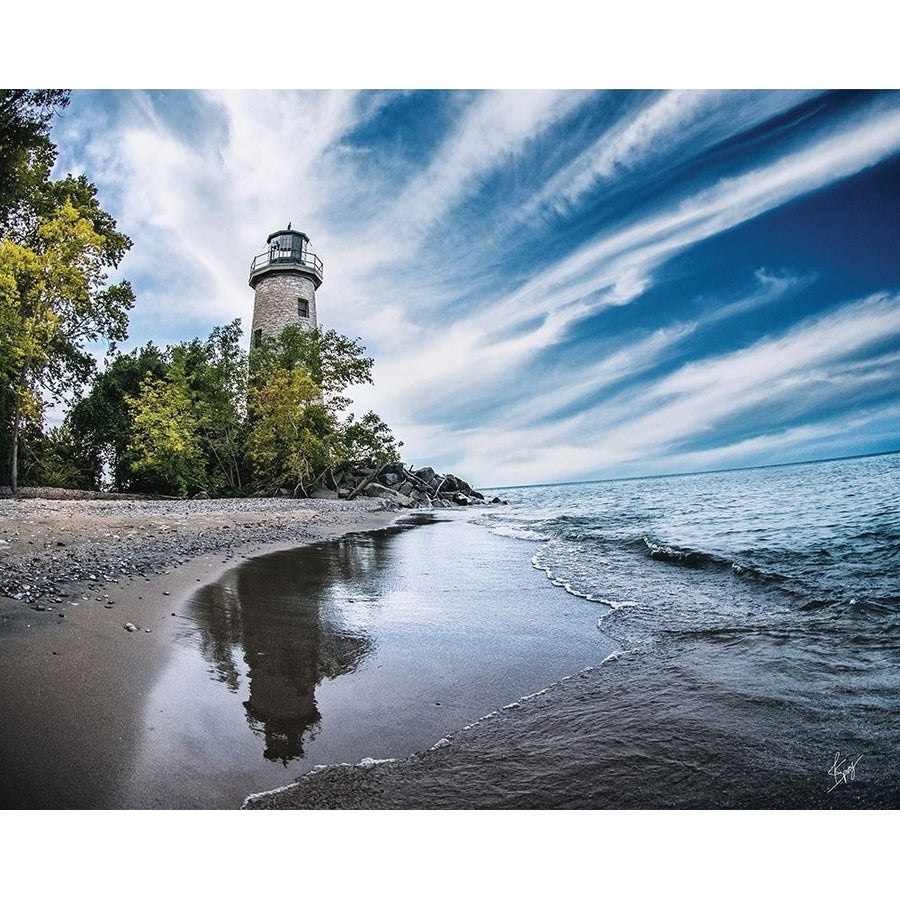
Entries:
{"x":283,"y":611}
{"x":217,"y":609}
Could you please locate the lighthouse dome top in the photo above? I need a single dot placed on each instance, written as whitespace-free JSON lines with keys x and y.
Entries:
{"x":288,"y":231}
{"x":287,"y":250}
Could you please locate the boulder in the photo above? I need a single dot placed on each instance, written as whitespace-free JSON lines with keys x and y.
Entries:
{"x":427,"y":474}
{"x":395,"y":468}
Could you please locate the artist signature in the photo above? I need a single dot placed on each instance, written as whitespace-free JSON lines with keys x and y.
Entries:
{"x":842,"y":771}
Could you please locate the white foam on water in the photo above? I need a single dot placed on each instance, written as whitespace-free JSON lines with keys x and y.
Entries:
{"x":368,"y":762}
{"x":521,"y":534}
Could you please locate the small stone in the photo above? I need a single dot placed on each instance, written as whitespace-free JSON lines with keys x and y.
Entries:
{"x":130,"y":627}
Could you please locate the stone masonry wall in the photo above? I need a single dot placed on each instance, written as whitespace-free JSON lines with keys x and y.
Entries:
{"x":275,"y":303}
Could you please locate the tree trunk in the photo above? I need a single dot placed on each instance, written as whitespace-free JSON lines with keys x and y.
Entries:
{"x":14,"y":449}
{"x":356,"y":492}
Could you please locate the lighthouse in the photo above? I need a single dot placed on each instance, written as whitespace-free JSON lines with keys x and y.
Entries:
{"x":284,"y":279}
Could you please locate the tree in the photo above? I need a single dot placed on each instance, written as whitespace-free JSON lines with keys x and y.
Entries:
{"x":26,"y":153}
{"x":61,"y":459}
{"x":164,"y":435}
{"x":214,"y":373}
{"x":211,"y":374}
{"x":334,"y":362}
{"x":297,"y":399}
{"x":103,"y":419}
{"x":369,"y":438}
{"x":291,"y":432}
{"x":54,"y":299}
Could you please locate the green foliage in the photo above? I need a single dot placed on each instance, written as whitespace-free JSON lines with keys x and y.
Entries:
{"x":214,"y":375}
{"x":296,"y":402}
{"x":291,"y":431}
{"x":163,"y":436}
{"x":370,"y":439}
{"x":334,"y":362}
{"x":103,"y":418}
{"x":54,"y":296}
{"x":26,"y":153}
{"x":211,"y":375}
{"x":61,"y":459}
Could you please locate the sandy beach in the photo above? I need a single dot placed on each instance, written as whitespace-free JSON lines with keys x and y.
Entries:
{"x":90,"y":593}
{"x":192,"y":655}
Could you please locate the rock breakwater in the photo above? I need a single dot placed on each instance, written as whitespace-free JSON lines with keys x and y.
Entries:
{"x":404,"y":486}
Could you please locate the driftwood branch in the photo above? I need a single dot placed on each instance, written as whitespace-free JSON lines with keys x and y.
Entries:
{"x":365,"y":483}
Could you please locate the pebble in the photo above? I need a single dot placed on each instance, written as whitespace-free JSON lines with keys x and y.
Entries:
{"x":148,"y":553}
{"x":130,"y":627}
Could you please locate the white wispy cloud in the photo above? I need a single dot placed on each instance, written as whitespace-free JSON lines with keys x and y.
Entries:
{"x":669,"y":125}
{"x":616,"y":267}
{"x":814,"y":366}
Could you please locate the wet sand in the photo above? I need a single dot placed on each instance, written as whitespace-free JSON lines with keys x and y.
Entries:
{"x":358,"y":638}
{"x":73,"y":575}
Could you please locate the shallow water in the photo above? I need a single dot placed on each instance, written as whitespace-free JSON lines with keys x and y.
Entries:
{"x":377,"y":645}
{"x":758,"y":613}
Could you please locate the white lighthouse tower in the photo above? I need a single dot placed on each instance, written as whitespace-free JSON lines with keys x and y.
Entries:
{"x":284,"y":279}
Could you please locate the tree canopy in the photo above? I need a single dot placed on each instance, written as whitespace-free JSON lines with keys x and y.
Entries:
{"x":57,"y":245}
{"x":204,"y":415}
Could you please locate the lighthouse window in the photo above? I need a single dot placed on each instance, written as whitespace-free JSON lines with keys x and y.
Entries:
{"x":257,"y":337}
{"x":302,"y":308}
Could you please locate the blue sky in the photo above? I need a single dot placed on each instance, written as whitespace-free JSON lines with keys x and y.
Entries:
{"x":555,"y":285}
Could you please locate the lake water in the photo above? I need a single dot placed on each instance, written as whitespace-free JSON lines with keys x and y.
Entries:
{"x":705,"y":641}
{"x":757,"y":618}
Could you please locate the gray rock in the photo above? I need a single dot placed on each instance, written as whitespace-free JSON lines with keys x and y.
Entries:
{"x":385,"y":493}
{"x":395,"y":468}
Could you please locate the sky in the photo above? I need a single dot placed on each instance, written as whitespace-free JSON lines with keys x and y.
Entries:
{"x":555,"y":285}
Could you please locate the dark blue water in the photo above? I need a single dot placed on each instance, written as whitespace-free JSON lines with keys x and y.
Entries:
{"x":757,"y":615}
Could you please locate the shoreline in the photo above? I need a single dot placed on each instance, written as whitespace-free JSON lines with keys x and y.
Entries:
{"x":49,"y":549}
{"x":73,"y":576}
